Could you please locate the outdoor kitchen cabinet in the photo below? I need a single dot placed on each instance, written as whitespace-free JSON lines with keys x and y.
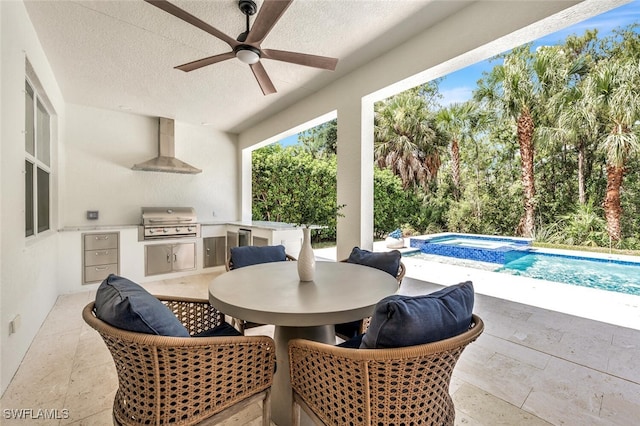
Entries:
{"x":167,"y":258}
{"x":99,"y":256}
{"x":213,"y":251}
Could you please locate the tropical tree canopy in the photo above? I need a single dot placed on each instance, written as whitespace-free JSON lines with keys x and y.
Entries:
{"x":549,"y":147}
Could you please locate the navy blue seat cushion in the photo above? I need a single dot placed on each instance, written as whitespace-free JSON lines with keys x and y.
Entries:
{"x":399,"y":320}
{"x":253,"y":255}
{"x":388,"y":261}
{"x":125,"y":305}
{"x":224,"y":329}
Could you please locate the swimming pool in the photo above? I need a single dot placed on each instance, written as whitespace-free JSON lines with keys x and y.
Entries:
{"x":515,"y":256}
{"x":604,"y":274}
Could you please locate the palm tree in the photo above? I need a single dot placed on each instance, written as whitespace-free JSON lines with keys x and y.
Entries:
{"x":614,"y":84}
{"x":520,"y":88}
{"x":510,"y":88}
{"x":321,"y":141}
{"x":572,"y":114}
{"x":406,"y":139}
{"x":455,"y":121}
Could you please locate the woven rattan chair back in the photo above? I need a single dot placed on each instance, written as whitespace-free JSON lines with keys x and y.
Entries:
{"x":186,"y":380}
{"x":400,"y":386}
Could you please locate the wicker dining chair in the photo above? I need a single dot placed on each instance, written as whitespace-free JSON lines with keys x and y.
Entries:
{"x":238,"y":323}
{"x":407,"y":385}
{"x":186,"y":380}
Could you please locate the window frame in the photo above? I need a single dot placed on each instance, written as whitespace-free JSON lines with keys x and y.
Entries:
{"x":37,"y":165}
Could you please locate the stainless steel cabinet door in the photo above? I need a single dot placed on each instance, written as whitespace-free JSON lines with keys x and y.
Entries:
{"x":184,"y":257}
{"x":158,"y":259}
{"x":214,"y":251}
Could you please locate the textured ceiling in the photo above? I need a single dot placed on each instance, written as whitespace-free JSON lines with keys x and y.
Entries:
{"x":120,"y":55}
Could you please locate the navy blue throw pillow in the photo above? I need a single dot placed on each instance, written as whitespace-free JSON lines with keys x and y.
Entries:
{"x":253,"y":255}
{"x":388,"y":261}
{"x":400,"y":321}
{"x":125,"y":305}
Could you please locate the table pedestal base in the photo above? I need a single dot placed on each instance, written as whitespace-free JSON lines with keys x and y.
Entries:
{"x":281,"y":389}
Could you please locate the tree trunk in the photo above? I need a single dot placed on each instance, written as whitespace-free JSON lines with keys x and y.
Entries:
{"x":611,"y":204}
{"x":582,"y":198}
{"x":525,"y":127}
{"x":455,"y":168}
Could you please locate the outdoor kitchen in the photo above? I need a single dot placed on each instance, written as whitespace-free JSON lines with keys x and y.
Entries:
{"x":168,"y":242}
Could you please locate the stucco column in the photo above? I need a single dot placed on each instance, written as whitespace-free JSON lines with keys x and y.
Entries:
{"x":355,"y":176}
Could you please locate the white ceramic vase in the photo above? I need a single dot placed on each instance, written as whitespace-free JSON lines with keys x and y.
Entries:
{"x":306,"y":258}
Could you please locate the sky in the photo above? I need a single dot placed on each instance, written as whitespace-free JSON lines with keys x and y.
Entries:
{"x":458,"y":86}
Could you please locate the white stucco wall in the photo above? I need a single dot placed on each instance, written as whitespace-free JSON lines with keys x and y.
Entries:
{"x":28,"y":270}
{"x":102,"y":146}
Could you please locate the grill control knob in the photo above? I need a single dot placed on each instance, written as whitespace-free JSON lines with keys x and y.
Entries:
{"x":165,"y":230}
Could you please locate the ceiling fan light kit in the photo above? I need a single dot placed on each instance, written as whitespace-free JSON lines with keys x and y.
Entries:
{"x":246,"y":47}
{"x":247,"y":54}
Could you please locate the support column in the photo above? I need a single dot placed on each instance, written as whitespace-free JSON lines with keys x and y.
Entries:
{"x":355,"y":176}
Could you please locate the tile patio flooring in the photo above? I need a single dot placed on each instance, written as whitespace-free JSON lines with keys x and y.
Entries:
{"x":531,"y":366}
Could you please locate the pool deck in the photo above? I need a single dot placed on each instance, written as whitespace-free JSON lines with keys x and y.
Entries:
{"x":600,"y":305}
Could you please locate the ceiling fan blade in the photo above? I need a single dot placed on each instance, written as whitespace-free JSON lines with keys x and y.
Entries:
{"x":205,"y":61}
{"x":189,"y":18}
{"x":269,"y":13}
{"x":315,"y":61}
{"x":263,"y":79}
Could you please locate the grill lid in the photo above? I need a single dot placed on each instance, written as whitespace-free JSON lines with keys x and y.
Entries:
{"x":168,"y":215}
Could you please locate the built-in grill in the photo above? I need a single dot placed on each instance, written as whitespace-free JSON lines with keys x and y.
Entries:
{"x":168,"y":222}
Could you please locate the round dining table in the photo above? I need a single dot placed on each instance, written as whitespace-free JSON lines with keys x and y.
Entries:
{"x":272,"y":293}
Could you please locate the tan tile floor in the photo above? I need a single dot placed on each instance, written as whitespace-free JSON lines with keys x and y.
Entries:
{"x":531,"y":366}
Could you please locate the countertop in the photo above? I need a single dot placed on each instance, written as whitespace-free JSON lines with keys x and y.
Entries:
{"x":272,"y":226}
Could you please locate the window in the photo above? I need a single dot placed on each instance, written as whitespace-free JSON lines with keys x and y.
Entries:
{"x":37,"y":146}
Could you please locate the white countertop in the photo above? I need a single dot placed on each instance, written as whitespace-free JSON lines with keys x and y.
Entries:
{"x":273,"y":226}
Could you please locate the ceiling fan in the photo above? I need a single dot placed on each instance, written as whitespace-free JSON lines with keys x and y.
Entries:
{"x":246,"y":47}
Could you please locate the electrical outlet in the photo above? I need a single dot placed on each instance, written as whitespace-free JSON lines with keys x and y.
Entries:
{"x":14,"y":324}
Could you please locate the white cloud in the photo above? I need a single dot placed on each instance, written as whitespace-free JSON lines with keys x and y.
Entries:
{"x":455,"y":95}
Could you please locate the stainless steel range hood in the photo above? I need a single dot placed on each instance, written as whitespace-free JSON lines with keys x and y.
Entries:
{"x":166,"y":161}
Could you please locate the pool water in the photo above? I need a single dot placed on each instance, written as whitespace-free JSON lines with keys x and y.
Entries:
{"x":515,"y":256}
{"x":622,"y":277}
